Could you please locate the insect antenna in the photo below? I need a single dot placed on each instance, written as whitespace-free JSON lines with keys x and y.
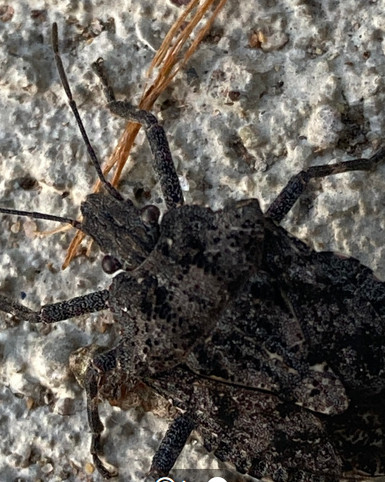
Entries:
{"x":49,"y":217}
{"x":91,"y":152}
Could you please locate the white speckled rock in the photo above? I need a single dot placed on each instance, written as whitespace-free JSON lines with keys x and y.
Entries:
{"x":241,"y":120}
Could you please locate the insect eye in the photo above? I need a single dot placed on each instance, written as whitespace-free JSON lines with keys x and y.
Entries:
{"x":150,"y":214}
{"x":110,"y":264}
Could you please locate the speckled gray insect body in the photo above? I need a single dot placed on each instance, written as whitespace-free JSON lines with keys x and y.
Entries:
{"x":273,"y":352}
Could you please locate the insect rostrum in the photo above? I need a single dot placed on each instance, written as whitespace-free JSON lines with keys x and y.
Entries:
{"x":273,"y":352}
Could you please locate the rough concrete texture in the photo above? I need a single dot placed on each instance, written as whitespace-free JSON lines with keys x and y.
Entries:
{"x":243,"y":117}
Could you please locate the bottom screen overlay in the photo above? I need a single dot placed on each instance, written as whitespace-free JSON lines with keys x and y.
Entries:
{"x":195,"y":475}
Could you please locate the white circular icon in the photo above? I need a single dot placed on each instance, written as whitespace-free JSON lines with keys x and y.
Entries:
{"x":217,"y":479}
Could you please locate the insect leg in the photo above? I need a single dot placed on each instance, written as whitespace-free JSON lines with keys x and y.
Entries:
{"x":99,"y":365}
{"x":298,"y":183}
{"x":172,"y":445}
{"x":100,"y":71}
{"x":63,"y":310}
{"x":162,"y":160}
